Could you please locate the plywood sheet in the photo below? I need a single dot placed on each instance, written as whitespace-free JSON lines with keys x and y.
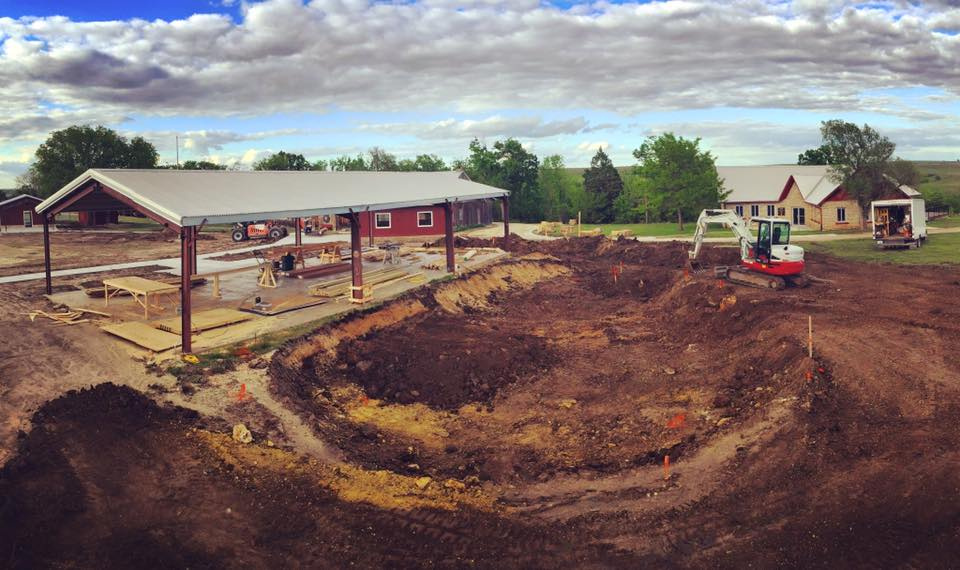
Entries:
{"x":283,"y":306}
{"x":144,"y":335}
{"x":204,"y":320}
{"x":140,"y":285}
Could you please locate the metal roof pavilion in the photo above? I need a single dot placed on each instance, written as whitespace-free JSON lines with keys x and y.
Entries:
{"x":187,"y":200}
{"x":193,"y":197}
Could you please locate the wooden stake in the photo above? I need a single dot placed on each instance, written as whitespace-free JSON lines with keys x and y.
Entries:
{"x":666,"y":467}
{"x":579,"y":224}
{"x":810,"y":336}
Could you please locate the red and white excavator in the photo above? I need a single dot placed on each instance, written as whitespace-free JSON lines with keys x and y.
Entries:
{"x":768,"y":262}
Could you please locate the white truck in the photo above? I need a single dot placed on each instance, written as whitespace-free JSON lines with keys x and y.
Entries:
{"x":899,"y":223}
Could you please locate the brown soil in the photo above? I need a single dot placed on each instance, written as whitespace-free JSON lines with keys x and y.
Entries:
{"x":107,"y":479}
{"x":542,"y":399}
{"x":23,"y":253}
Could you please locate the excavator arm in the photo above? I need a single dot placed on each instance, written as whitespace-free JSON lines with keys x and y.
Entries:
{"x":728,"y":218}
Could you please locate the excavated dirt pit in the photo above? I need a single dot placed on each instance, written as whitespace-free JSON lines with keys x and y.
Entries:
{"x":539,"y":413}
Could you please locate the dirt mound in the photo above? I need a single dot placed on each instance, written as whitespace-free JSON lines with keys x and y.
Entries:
{"x":109,"y":480}
{"x":445,"y":361}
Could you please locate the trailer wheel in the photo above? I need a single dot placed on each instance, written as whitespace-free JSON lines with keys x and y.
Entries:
{"x":238,"y":235}
{"x":275,"y":233}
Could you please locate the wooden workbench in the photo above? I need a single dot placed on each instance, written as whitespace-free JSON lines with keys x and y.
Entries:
{"x":139,"y":288}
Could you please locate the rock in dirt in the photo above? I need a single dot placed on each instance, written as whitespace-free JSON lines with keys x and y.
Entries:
{"x":422,"y":482}
{"x":727,"y":302}
{"x":669,"y":371}
{"x":241,"y":434}
{"x":567,"y":403}
{"x":454,"y":484}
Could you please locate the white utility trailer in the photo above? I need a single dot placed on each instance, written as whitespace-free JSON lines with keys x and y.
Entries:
{"x":899,"y":223}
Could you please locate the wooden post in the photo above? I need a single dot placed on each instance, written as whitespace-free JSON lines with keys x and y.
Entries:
{"x":371,"y":218}
{"x":46,"y":253}
{"x":186,"y":237}
{"x":810,"y":336}
{"x":505,"y":207}
{"x":579,"y":224}
{"x":299,"y":240}
{"x":356,"y":256}
{"x":448,"y":237}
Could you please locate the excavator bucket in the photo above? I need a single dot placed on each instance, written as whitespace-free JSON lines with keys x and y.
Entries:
{"x":695,"y":266}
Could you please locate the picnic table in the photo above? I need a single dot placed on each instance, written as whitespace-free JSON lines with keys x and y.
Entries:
{"x":140,"y":289}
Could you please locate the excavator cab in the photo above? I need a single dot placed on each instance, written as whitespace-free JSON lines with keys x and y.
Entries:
{"x":770,"y":233}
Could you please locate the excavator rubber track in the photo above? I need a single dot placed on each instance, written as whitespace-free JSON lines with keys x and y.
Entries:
{"x":751,"y":278}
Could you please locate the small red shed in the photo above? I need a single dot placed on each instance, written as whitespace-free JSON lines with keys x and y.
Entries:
{"x":18,"y":212}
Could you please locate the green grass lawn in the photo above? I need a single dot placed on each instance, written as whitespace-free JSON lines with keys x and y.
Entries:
{"x":669,"y":229}
{"x":661,"y":229}
{"x":948,"y":222}
{"x":942,"y":248}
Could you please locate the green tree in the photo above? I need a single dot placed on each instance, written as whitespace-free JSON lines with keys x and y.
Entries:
{"x":283,"y":161}
{"x":509,"y":166}
{"x":558,"y":186}
{"x":69,"y":152}
{"x":816,"y":156}
{"x":604,"y":182}
{"x":347,"y":163}
{"x":861,"y":161}
{"x":638,"y":202}
{"x":381,"y":160}
{"x":201,"y":165}
{"x":319,"y":165}
{"x":685,"y":176}
{"x":423,"y":163}
{"x":904,"y":172}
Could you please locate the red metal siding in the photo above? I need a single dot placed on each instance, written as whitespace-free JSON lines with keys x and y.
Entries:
{"x":95,"y":218}
{"x":12,"y":214}
{"x":403,"y":222}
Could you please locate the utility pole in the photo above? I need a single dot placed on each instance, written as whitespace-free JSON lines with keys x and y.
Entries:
{"x":178,"y":152}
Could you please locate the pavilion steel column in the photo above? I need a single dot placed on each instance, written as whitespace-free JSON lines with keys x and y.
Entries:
{"x":299,"y":239}
{"x":193,"y":250}
{"x":356,"y":256}
{"x":505,"y":206}
{"x":448,"y":237}
{"x":186,"y":269}
{"x":46,"y":253}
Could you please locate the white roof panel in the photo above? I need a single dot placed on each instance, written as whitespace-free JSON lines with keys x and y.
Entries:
{"x":18,"y":197}
{"x":765,"y":183}
{"x":188,"y":197}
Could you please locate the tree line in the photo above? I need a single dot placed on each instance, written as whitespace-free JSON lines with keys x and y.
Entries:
{"x":673,"y":179}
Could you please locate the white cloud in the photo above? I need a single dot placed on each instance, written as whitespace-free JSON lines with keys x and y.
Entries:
{"x":288,"y":56}
{"x":495,"y":126}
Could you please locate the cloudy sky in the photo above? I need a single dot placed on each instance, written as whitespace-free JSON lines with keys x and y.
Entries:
{"x":237,"y":80}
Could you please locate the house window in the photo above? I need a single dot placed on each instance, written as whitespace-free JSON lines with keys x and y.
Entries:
{"x":27,"y":219}
{"x":841,"y":214}
{"x":754,"y":210}
{"x":383,"y":220}
{"x":739,"y":210}
{"x":770,"y":209}
{"x":424,"y":219}
{"x":781,"y":212}
{"x":799,"y":216}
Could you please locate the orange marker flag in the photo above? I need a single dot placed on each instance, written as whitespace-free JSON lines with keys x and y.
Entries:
{"x":242,"y":393}
{"x":666,"y":467}
{"x":677,"y":421}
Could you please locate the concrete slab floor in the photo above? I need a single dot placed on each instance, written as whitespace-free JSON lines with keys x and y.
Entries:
{"x":238,"y":289}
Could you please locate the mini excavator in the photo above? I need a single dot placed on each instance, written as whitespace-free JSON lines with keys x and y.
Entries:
{"x":767,"y":262}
